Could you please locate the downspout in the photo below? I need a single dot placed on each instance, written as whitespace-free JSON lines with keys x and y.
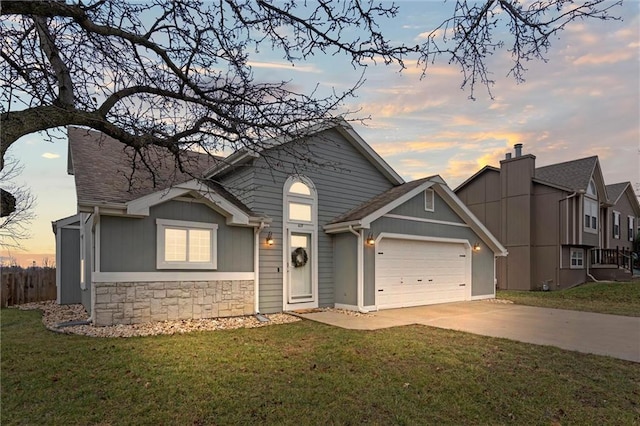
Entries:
{"x":588,"y":274}
{"x":360,"y":270}
{"x":256,"y":267}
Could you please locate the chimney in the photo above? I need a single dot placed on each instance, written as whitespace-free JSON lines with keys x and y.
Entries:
{"x":518,"y":148}
{"x":508,"y":156}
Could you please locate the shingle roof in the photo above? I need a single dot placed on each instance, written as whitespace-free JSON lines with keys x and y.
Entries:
{"x":105,"y":172}
{"x":615,"y":190}
{"x":574,"y":174}
{"x":379,"y":201}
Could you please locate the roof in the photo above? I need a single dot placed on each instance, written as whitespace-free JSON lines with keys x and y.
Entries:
{"x":615,"y":190}
{"x":478,"y":173}
{"x":379,"y":201}
{"x":574,"y":174}
{"x":106,"y":174}
{"x":361,"y":217}
{"x":339,"y":124}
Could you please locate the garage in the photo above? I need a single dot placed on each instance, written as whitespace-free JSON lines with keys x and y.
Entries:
{"x":413,"y":272}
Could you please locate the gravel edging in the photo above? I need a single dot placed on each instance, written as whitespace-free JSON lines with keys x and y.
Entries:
{"x":53,"y":315}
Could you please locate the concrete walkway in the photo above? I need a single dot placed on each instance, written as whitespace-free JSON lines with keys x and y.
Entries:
{"x":611,"y":335}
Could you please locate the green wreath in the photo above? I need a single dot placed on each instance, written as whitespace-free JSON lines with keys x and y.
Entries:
{"x":299,"y":257}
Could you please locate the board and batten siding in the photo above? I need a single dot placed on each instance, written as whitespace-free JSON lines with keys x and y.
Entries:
{"x":129,"y":244}
{"x":344,"y":180}
{"x":482,"y":262}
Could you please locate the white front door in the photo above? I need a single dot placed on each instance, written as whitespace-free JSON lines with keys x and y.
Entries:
{"x":300,"y":268}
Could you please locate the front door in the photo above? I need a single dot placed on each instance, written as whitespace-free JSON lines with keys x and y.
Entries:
{"x":300,"y":267}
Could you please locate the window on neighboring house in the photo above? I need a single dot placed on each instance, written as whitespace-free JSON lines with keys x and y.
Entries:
{"x":577,"y":258}
{"x":616,"y":225}
{"x":186,"y":245}
{"x":591,"y":189}
{"x":429,"y":204}
{"x":590,"y":215}
{"x":630,"y":226}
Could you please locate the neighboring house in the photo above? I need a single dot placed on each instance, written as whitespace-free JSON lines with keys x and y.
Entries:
{"x":263,"y":233}
{"x":561,"y":224}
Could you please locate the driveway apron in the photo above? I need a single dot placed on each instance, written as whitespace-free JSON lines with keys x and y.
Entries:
{"x":611,"y":335}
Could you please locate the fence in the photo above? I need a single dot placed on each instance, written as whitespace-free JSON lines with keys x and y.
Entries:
{"x":21,"y":285}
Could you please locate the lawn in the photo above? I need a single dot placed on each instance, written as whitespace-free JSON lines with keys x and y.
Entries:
{"x":618,"y":298}
{"x":305,"y":373}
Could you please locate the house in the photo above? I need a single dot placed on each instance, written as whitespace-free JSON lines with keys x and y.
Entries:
{"x":263,"y":233}
{"x":561,"y":224}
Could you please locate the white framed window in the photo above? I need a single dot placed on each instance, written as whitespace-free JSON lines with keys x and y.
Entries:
{"x":590,"y":215}
{"x":630,"y":227}
{"x":300,"y":200}
{"x":577,"y":258}
{"x":186,"y":245}
{"x":429,"y":204}
{"x":616,"y":225}
{"x":591,"y":189}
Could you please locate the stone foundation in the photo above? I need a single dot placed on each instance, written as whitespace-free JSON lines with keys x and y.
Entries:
{"x":133,"y":303}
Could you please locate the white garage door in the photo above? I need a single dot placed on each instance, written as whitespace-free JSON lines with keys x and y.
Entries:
{"x":413,"y":273}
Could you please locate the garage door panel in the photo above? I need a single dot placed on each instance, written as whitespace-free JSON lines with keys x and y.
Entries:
{"x":413,"y":273}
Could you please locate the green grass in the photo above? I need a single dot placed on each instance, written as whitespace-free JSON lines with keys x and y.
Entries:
{"x":618,"y":298}
{"x":305,"y":373}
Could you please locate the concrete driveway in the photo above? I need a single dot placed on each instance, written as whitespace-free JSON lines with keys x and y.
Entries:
{"x":611,"y":335}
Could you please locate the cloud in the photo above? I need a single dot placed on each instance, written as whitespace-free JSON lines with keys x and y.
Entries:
{"x":285,"y":66}
{"x":50,"y":155}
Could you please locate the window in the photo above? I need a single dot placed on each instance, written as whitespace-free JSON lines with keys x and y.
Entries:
{"x":616,"y":225}
{"x":429,"y":200}
{"x":590,"y":215}
{"x":186,"y":245}
{"x":630,"y":223}
{"x":300,"y":200}
{"x":591,"y":189}
{"x":577,"y":258}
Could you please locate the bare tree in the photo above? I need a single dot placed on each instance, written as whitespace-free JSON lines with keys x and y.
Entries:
{"x":14,"y":224}
{"x":177,"y":73}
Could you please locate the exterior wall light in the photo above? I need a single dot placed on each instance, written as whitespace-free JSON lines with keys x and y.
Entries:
{"x":370,"y":241}
{"x":476,"y":247}
{"x":269,"y":239}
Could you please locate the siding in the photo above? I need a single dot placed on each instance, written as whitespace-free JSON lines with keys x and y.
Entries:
{"x":87,"y":222}
{"x":70,"y":292}
{"x":346,"y":180}
{"x":129,"y":244}
{"x":346,"y":268}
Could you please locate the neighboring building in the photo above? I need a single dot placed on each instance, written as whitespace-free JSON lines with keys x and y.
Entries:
{"x":561,"y":224}
{"x":263,"y":233}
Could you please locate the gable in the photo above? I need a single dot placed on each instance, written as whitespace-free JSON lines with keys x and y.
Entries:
{"x":415,"y":207}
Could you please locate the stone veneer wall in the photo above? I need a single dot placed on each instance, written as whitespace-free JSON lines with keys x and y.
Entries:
{"x":132,"y":303}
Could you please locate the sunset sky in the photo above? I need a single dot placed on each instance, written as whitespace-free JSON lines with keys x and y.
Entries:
{"x":585,"y":100}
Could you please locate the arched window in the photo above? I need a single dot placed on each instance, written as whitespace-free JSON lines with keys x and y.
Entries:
{"x":300,"y":196}
{"x":591,"y":208}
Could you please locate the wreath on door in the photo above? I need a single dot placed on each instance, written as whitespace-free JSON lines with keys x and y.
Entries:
{"x":299,"y":257}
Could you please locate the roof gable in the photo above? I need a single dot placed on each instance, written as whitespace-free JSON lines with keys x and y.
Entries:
{"x":362,"y":216}
{"x":485,"y":169}
{"x":241,"y":157}
{"x":617,"y":191}
{"x":574,"y":174}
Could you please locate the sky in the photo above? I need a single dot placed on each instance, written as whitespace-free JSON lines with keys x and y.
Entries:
{"x":584,"y":100}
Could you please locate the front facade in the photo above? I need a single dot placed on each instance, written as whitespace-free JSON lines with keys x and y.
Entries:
{"x":249,"y":237}
{"x":555,"y":221}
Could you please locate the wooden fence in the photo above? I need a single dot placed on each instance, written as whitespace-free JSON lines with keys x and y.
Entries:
{"x":20,"y":285}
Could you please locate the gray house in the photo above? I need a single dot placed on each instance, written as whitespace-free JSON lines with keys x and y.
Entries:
{"x":263,"y":233}
{"x":561,"y":223}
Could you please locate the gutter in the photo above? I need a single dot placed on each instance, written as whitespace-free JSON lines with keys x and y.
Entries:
{"x":360,"y":269}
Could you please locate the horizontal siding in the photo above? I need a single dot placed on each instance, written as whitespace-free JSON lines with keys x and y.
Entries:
{"x":415,"y":208}
{"x":129,"y":244}
{"x":346,"y":184}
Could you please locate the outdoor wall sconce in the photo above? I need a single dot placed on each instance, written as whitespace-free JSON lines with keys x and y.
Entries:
{"x":269,"y":239}
{"x":370,"y":241}
{"x":476,"y":247}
